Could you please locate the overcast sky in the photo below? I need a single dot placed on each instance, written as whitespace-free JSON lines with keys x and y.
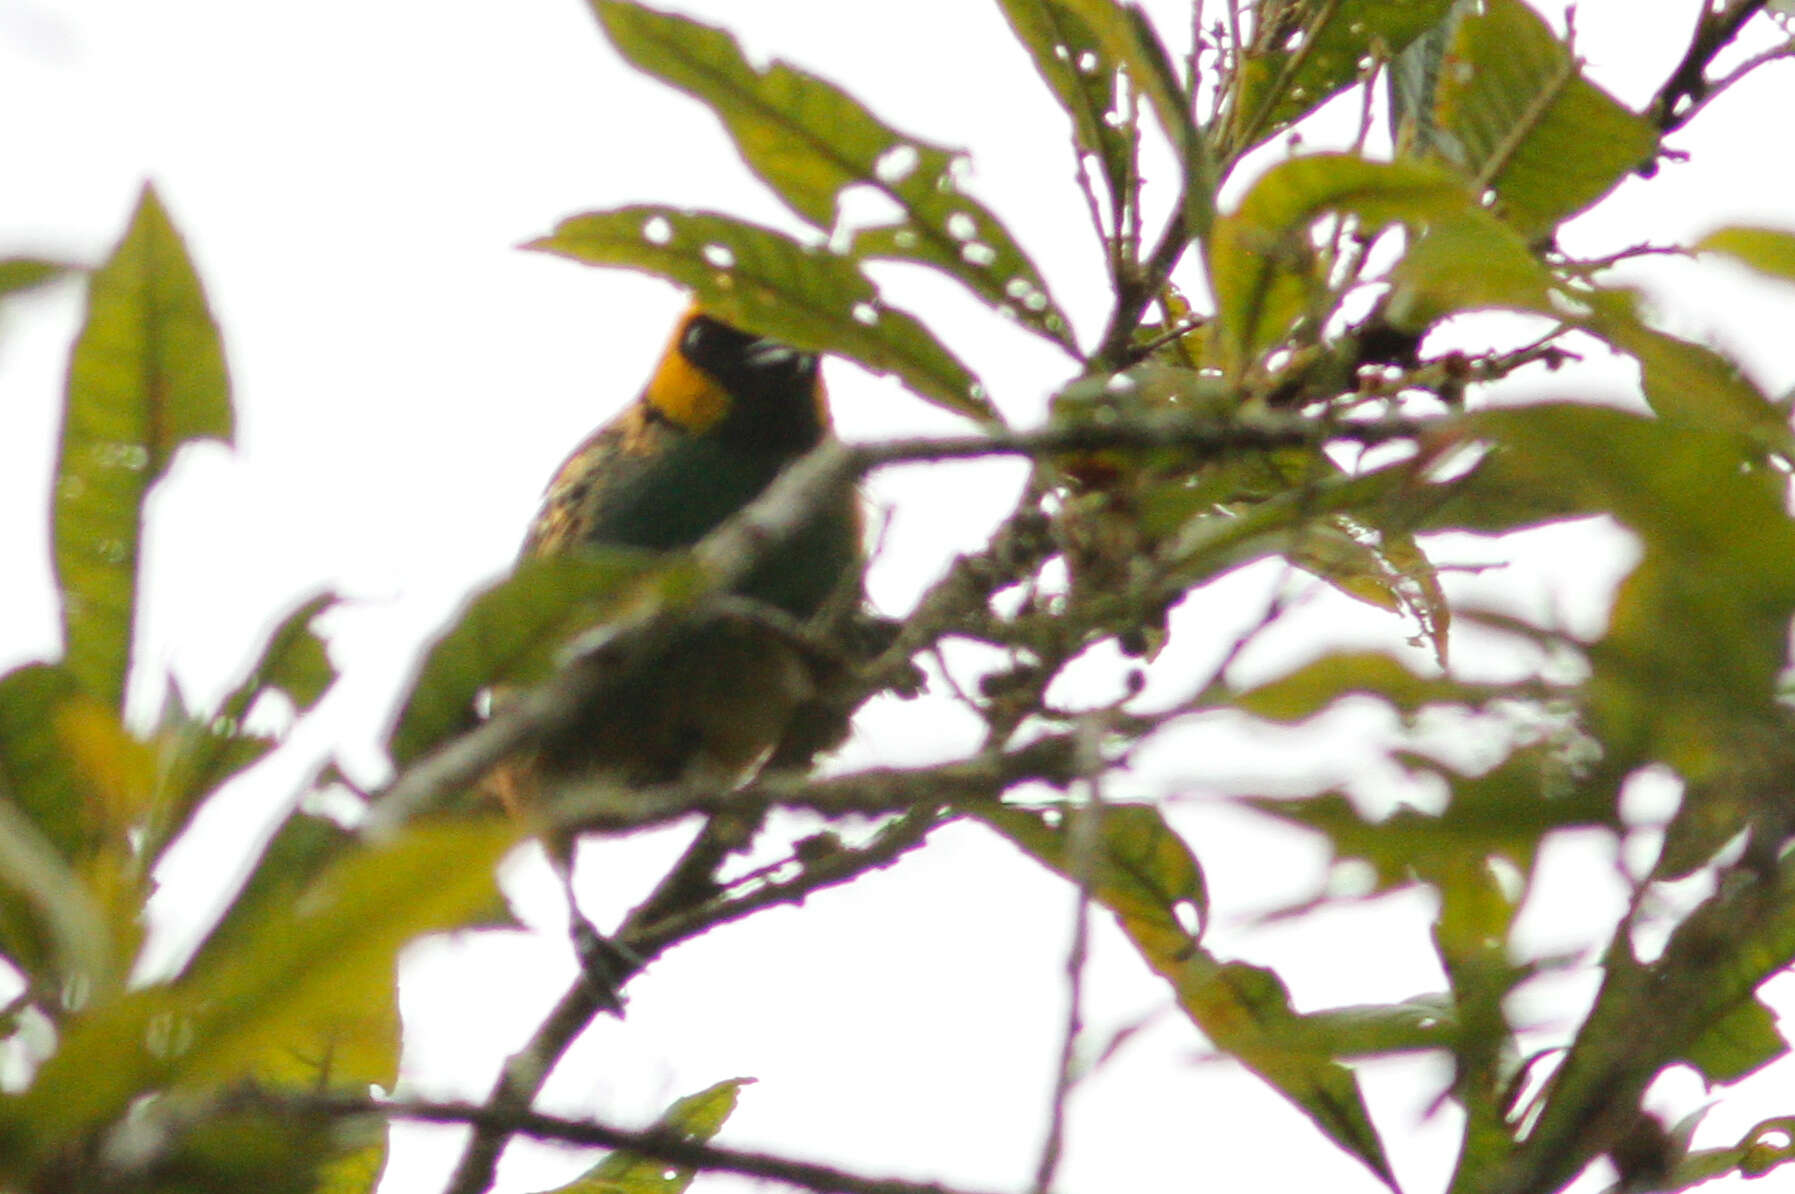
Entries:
{"x":353,"y":178}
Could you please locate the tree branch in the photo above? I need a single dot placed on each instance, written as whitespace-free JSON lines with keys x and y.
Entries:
{"x":1685,"y":91}
{"x":662,"y":1146}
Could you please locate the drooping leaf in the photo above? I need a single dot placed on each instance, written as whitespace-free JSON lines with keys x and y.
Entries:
{"x":761,"y":280}
{"x":1134,"y":865}
{"x":285,"y":985}
{"x":1258,"y":254}
{"x":1770,"y":251}
{"x":510,"y":632}
{"x":694,"y":1119}
{"x":811,"y":142}
{"x":1514,"y":112}
{"x":146,"y":375}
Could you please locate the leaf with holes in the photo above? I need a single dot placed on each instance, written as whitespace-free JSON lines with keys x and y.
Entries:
{"x":147,"y":374}
{"x":811,"y":142}
{"x":1513,"y":112}
{"x":764,"y":281}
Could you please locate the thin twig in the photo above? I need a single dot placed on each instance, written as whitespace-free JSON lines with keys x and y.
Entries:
{"x":1082,"y":860}
{"x":668,"y":1147}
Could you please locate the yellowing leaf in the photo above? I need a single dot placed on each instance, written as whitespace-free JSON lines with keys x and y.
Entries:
{"x":147,"y":375}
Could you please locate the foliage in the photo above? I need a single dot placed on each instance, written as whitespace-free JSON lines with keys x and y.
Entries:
{"x":1195,"y":440}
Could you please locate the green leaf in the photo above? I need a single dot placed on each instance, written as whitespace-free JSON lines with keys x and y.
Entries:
{"x":1126,"y":39}
{"x":1513,"y":112}
{"x":18,"y":274}
{"x":511,"y":632}
{"x":694,"y":1119}
{"x":1259,"y":254}
{"x":1320,"y":57}
{"x":762,"y":280}
{"x":1718,"y":571}
{"x":147,"y":375}
{"x":1084,"y":79}
{"x":205,"y":752}
{"x":811,"y":142}
{"x":1688,"y":382}
{"x":52,"y":927}
{"x":1742,"y":1040}
{"x":1301,"y":694}
{"x":1134,"y":865}
{"x":1424,"y":1022}
{"x":286,"y":986}
{"x":38,"y":768}
{"x":1468,"y":262}
{"x":1765,"y":1147}
{"x":1770,"y":251}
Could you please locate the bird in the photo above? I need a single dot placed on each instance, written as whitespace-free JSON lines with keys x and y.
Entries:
{"x":722,"y":414}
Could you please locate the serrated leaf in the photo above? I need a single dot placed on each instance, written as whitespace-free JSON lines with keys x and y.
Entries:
{"x":286,"y":983}
{"x":811,"y":142}
{"x":1258,"y":254}
{"x":694,"y":1119}
{"x":147,"y":374}
{"x":510,"y":632}
{"x":1770,"y":251}
{"x":1513,"y":111}
{"x":764,"y":281}
{"x":1321,"y":56}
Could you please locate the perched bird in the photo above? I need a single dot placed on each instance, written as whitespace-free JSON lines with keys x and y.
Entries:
{"x":723,"y":413}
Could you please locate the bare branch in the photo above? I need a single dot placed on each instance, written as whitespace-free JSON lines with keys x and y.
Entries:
{"x":1687,"y":87}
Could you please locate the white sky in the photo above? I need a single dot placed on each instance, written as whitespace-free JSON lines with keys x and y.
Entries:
{"x":352,"y":178}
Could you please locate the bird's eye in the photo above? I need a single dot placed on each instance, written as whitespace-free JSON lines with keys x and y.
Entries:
{"x":694,"y":336}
